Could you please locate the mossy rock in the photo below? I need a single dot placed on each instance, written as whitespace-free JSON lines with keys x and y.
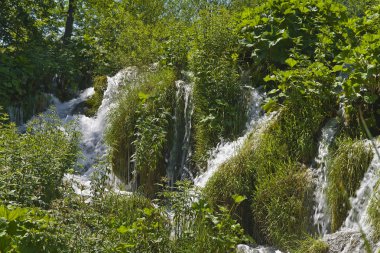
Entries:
{"x":140,"y":127}
{"x":347,"y":167}
{"x":311,"y":245}
{"x":93,"y":103}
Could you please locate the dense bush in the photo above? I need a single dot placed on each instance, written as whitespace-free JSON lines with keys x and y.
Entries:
{"x":213,"y":61}
{"x":27,"y":230}
{"x":274,"y":31}
{"x":32,"y":165}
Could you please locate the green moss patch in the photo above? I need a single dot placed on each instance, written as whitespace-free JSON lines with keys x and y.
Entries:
{"x":93,"y":103}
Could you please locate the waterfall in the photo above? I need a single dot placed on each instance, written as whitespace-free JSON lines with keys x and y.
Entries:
{"x":225,"y":150}
{"x":321,"y":218}
{"x":92,"y":128}
{"x":179,"y":159}
{"x":16,"y":114}
{"x":349,"y":237}
{"x":358,"y":217}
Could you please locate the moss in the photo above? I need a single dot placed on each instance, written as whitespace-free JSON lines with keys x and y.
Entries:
{"x":347,"y":166}
{"x":279,"y":206}
{"x":311,"y":245}
{"x":93,"y":103}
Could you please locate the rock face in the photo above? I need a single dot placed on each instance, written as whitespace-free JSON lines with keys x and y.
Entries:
{"x":242,"y":248}
{"x":344,"y":242}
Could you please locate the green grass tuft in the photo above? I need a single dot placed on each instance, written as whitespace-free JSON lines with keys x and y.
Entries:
{"x":347,"y":167}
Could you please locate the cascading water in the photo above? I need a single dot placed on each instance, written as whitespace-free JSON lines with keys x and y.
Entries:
{"x":321,"y":218}
{"x":358,"y":217}
{"x":225,"y":150}
{"x":92,"y":128}
{"x":349,"y":237}
{"x":179,"y":159}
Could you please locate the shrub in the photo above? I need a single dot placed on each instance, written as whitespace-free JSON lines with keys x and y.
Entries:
{"x":272,"y":32}
{"x":213,"y":60}
{"x":32,"y":165}
{"x":346,"y":168}
{"x":27,"y":230}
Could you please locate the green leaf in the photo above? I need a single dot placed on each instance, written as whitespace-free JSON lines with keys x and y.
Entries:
{"x":143,"y":96}
{"x":337,"y":68}
{"x":122,"y":229}
{"x":238,"y":198}
{"x":291,"y":62}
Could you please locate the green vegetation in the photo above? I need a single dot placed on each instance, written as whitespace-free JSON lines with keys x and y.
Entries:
{"x":311,"y":245}
{"x":310,"y":57}
{"x":140,"y":128}
{"x":347,"y":167}
{"x":93,"y":103}
{"x":374,"y":211}
{"x":31,"y":164}
{"x":213,"y":60}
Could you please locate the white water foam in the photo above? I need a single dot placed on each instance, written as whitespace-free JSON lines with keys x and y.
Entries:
{"x":92,"y":128}
{"x":321,"y":218}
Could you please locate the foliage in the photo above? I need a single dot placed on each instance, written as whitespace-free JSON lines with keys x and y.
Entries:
{"x":194,"y":225}
{"x":27,"y":230}
{"x":213,"y":60}
{"x":348,"y":164}
{"x":276,"y":29}
{"x":141,"y":124}
{"x":32,"y":164}
{"x":359,"y":64}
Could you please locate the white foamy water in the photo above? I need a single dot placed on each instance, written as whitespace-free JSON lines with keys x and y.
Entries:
{"x":225,"y":150}
{"x":92,"y":128}
{"x":321,"y":218}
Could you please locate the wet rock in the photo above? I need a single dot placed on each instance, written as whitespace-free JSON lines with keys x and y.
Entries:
{"x":344,"y":242}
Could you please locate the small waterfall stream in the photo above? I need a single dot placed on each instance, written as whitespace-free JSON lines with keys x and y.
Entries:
{"x":350,"y":236}
{"x":321,"y":218}
{"x":180,"y":153}
{"x":225,"y":150}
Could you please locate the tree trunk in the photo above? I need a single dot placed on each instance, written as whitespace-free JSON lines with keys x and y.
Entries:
{"x":69,"y":22}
